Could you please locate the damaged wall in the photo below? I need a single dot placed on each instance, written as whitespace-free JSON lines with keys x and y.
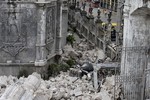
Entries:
{"x":30,"y":34}
{"x":135,"y":44}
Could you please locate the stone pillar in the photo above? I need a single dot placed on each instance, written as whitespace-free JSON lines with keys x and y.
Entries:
{"x":104,"y":44}
{"x":91,"y":22}
{"x":41,"y":34}
{"x":98,"y":23}
{"x":126,"y":33}
{"x":64,"y":22}
{"x":120,"y":7}
{"x":95,"y":78}
{"x":58,"y":33}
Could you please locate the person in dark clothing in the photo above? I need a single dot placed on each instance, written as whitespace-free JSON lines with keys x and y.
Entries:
{"x":84,"y":5}
{"x":86,"y":68}
{"x":113,"y":34}
{"x":91,"y":10}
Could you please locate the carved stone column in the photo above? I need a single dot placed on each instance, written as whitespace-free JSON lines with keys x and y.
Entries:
{"x":126,"y":32}
{"x":41,"y":32}
{"x":64,"y":22}
{"x":58,"y":33}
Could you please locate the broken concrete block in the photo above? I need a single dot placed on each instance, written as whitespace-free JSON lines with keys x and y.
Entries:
{"x":67,"y":96}
{"x":7,"y":92}
{"x":28,"y":95}
{"x":77,"y":92}
{"x":17,"y":93}
{"x":41,"y":97}
{"x":32,"y":82}
{"x":97,"y":97}
{"x":61,"y":87}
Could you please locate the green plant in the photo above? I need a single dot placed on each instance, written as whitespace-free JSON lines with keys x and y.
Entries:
{"x":70,"y":39}
{"x":70,"y":62}
{"x":64,"y":67}
{"x":23,"y":73}
{"x":53,"y":70}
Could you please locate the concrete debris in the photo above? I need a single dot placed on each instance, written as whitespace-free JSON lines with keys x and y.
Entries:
{"x":5,"y":82}
{"x":62,"y":87}
{"x":65,"y":86}
{"x":69,"y":52}
{"x":93,"y":55}
{"x":81,"y":53}
{"x":108,"y":60}
{"x":77,"y":92}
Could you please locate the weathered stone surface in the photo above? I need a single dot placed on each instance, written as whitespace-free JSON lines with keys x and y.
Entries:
{"x":77,"y":92}
{"x":62,"y":87}
{"x":18,"y":91}
{"x":28,"y":95}
{"x":31,"y":34}
{"x":41,"y":97}
{"x":135,"y":45}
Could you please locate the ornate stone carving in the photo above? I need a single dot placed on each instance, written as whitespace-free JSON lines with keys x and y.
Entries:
{"x":126,"y":11}
{"x":14,"y":40}
{"x":50,"y":28}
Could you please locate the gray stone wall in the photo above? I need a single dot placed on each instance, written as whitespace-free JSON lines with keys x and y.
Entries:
{"x":64,"y":22}
{"x":30,"y":34}
{"x":136,"y":37}
{"x":135,"y":46}
{"x":18,"y":28}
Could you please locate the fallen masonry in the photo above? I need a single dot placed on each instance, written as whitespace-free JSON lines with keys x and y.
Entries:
{"x":65,"y":86}
{"x":62,"y":87}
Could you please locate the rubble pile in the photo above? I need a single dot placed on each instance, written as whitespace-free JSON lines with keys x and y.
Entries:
{"x":5,"y":82}
{"x":62,"y":87}
{"x":69,"y":52}
{"x":81,"y":54}
{"x":108,"y":88}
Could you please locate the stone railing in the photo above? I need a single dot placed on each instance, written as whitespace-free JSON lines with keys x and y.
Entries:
{"x":91,"y":30}
{"x":86,"y":27}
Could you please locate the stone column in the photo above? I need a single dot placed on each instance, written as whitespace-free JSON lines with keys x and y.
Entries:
{"x":41,"y":33}
{"x":64,"y":22}
{"x":98,"y":23}
{"x":126,"y":32}
{"x":95,"y":77}
{"x":120,"y":7}
{"x":104,"y":44}
{"x":90,"y":28}
{"x":58,"y":25}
